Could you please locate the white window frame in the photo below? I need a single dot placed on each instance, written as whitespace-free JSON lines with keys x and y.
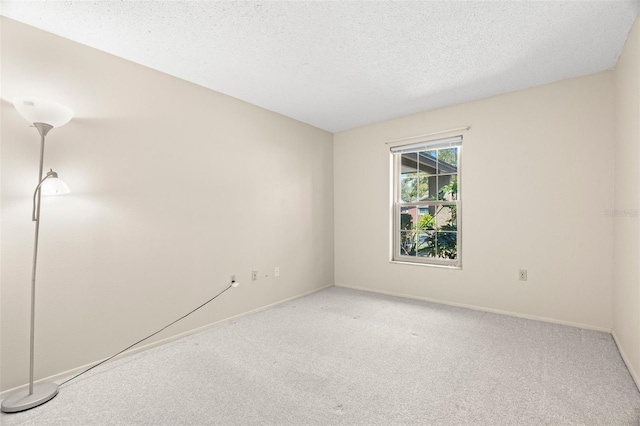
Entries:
{"x":398,"y":204}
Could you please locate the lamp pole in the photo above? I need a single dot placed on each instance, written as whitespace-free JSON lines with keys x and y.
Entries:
{"x":43,"y":128}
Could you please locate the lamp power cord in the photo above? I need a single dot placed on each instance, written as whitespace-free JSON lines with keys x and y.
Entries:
{"x":233,"y":284}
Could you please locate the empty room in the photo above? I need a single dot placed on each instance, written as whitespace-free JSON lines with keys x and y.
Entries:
{"x":320,"y":212}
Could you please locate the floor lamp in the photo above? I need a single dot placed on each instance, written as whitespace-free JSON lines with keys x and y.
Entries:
{"x":44,"y":116}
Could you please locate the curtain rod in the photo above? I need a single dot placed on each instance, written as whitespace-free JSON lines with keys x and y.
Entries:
{"x":428,"y":134}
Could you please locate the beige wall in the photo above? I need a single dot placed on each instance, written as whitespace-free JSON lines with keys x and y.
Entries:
{"x":174,"y":188}
{"x":537,"y":178}
{"x":626,"y":290}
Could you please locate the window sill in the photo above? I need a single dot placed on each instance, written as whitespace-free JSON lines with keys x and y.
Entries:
{"x":432,"y":265}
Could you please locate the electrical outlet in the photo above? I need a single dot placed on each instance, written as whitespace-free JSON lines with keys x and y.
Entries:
{"x":522,"y":275}
{"x":254,"y":275}
{"x":276,"y":271}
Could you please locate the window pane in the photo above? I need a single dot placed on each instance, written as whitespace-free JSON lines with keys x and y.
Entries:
{"x":424,"y":183}
{"x":428,"y":162}
{"x":407,"y":243}
{"x":448,"y":187}
{"x":447,"y":245}
{"x":408,"y":187}
{"x":409,"y":162}
{"x":448,"y":160}
{"x":408,"y":218}
{"x":408,"y":177}
{"x":426,"y":244}
{"x":426,"y":220}
{"x":446,"y":218}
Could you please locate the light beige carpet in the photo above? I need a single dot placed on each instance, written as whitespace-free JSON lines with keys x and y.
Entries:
{"x":347,"y":357}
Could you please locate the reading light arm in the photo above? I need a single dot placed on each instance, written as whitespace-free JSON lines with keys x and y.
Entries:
{"x":35,"y":215}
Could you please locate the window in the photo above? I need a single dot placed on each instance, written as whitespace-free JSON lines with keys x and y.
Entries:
{"x":426,"y":202}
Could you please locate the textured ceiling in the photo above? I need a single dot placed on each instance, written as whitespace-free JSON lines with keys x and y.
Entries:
{"x":342,"y":64}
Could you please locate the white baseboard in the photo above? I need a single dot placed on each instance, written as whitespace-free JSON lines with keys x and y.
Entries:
{"x":148,"y":346}
{"x":481,"y":308}
{"x":626,"y":359}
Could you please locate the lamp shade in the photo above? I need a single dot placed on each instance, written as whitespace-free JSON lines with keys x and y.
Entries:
{"x":36,"y":110}
{"x":54,"y":186}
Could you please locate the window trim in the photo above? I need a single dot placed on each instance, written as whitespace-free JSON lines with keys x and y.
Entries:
{"x":395,"y":163}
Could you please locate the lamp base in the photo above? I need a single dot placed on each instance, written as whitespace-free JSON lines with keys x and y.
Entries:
{"x":21,"y":400}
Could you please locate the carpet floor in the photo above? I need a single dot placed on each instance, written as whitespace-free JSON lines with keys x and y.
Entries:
{"x":348,"y":357}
